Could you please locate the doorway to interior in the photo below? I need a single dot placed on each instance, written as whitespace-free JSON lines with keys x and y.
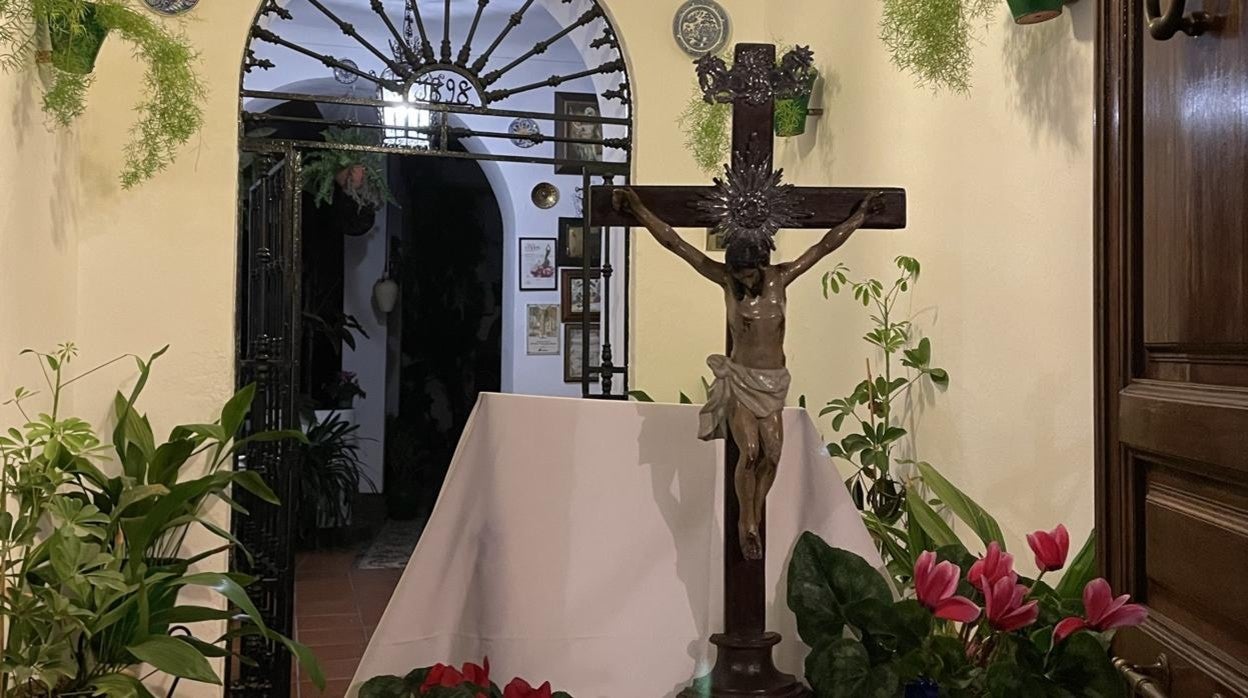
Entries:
{"x":391,"y":307}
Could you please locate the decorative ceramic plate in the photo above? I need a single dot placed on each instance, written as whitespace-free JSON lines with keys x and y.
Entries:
{"x":524,"y":127}
{"x":171,"y":7}
{"x":346,"y":77}
{"x":545,"y":195}
{"x":701,"y":27}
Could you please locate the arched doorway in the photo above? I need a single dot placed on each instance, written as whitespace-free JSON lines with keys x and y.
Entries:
{"x":510,"y":84}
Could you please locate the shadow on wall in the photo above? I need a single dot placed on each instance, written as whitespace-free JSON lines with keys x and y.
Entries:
{"x":820,"y":137}
{"x":1048,"y":76}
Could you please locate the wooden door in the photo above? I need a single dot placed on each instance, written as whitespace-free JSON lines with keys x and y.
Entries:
{"x":1172,"y":343}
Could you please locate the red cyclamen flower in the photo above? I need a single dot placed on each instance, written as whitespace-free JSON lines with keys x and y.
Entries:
{"x":443,"y":676}
{"x":935,"y":584}
{"x":1004,"y":607}
{"x":1103,"y":612}
{"x":1050,"y":547}
{"x":519,"y":688}
{"x":988,"y":569}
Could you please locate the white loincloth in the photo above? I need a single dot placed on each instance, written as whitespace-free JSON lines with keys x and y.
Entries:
{"x":760,"y":390}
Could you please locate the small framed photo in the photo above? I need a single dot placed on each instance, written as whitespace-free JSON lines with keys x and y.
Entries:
{"x":537,"y":264}
{"x":714,"y":241}
{"x":543,"y":330}
{"x":572,"y":241}
{"x":573,"y":340}
{"x":577,"y":104}
{"x":573,"y":295}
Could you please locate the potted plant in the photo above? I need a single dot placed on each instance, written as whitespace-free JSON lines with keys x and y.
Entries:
{"x":967,"y":627}
{"x":171,"y":108}
{"x":443,"y":681}
{"x":1036,"y":11}
{"x":359,"y":175}
{"x":932,"y":39}
{"x":330,"y":473}
{"x":791,"y":112}
{"x":92,"y":561}
{"x":343,"y":389}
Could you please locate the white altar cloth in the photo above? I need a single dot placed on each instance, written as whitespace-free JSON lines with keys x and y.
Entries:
{"x":579,"y":542}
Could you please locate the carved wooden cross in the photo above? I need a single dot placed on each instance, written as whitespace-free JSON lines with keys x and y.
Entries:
{"x":744,"y":665}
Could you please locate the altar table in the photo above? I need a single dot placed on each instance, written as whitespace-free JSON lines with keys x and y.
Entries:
{"x":579,"y":542}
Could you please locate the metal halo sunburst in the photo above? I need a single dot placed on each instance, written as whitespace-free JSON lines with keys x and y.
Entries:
{"x":751,"y":200}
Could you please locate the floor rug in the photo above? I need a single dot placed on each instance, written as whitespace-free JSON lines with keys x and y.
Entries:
{"x":392,"y":547}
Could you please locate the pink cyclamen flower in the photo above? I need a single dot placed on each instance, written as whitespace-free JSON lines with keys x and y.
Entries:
{"x":1050,"y":547}
{"x":935,"y":584}
{"x":988,"y":569}
{"x":1103,"y":612}
{"x":1004,"y":607}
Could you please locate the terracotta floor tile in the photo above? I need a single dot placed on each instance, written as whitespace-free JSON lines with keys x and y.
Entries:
{"x":322,"y":607}
{"x":316,"y":589}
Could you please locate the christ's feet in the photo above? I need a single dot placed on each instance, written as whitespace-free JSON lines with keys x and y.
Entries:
{"x":752,"y":545}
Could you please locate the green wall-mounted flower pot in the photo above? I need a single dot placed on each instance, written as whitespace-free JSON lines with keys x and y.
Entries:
{"x":76,"y":44}
{"x":791,"y":113}
{"x":1035,"y":11}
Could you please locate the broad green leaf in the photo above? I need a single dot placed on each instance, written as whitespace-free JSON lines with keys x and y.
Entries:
{"x":168,"y":460}
{"x":824,"y":580}
{"x":138,"y":494}
{"x":385,"y":687}
{"x":120,"y":686}
{"x":962,"y":506}
{"x":229,"y":588}
{"x":1079,"y":572}
{"x":1082,"y":666}
{"x":684,"y":399}
{"x":927,"y":519}
{"x":251,"y":481}
{"x":841,"y":668}
{"x":174,"y":657}
{"x":639,"y":396}
{"x":235,"y":411}
{"x":181,"y":615}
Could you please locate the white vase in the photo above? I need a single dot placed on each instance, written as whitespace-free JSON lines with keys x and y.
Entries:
{"x":386,"y":294}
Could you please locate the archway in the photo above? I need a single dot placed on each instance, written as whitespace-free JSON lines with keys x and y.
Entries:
{"x":507,"y":83}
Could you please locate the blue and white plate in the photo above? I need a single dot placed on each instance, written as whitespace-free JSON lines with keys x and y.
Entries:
{"x":524,"y":127}
{"x":701,"y":27}
{"x":171,"y":7}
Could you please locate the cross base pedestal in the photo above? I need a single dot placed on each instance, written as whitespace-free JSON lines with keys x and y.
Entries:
{"x":744,"y":669}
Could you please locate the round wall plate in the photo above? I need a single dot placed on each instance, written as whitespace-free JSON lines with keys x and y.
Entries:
{"x":524,"y":126}
{"x":346,"y":77}
{"x":171,"y":7}
{"x":701,"y":27}
{"x":545,"y":195}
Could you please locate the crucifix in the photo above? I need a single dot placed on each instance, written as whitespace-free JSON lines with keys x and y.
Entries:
{"x":748,"y":206}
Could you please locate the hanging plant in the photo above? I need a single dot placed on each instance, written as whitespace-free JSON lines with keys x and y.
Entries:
{"x":360,"y":174}
{"x":708,"y":126}
{"x":932,"y":39}
{"x":171,"y":108}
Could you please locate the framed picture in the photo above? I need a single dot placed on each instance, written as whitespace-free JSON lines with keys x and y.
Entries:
{"x":577,"y":104}
{"x":574,"y":295}
{"x":571,"y":250}
{"x":537,"y":264}
{"x":543,"y":330}
{"x":714,"y":241}
{"x":574,"y":341}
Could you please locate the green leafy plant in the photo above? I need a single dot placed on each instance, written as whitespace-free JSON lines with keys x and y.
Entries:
{"x":360,"y":174}
{"x":171,"y":108}
{"x":329,"y":475}
{"x":1027,"y":639}
{"x":443,"y":681}
{"x":92,"y":564}
{"x":876,"y":409}
{"x":933,"y":39}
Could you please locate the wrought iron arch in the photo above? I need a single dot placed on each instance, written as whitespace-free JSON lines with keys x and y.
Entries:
{"x":415,"y":56}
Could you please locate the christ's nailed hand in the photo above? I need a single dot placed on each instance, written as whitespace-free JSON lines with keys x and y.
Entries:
{"x":625,"y":199}
{"x":872,"y":203}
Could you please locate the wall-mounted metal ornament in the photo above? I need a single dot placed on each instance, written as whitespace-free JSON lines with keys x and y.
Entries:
{"x":342,"y":74}
{"x":171,"y":7}
{"x":522,"y":127}
{"x":545,"y":195}
{"x":752,"y":201}
{"x":701,"y":27}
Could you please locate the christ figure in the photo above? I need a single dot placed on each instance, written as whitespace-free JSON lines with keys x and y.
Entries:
{"x":748,"y":394}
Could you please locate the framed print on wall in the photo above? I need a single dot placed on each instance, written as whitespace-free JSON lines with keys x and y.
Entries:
{"x":573,"y":295}
{"x":573,"y":341}
{"x":542,"y":337}
{"x":537,"y":264}
{"x":571,"y":250}
{"x":577,"y":104}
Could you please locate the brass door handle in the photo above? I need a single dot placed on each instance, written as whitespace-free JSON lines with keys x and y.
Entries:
{"x":1148,"y":681}
{"x":1164,"y":26}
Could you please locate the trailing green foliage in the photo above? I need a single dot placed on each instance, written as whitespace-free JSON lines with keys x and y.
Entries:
{"x":933,"y":39}
{"x":708,"y":132}
{"x":92,"y":557}
{"x":321,"y":169}
{"x":170,"y":110}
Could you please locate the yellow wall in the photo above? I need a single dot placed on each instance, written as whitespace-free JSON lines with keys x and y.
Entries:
{"x":1000,"y":211}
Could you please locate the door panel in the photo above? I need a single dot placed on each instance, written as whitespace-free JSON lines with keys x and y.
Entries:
{"x":1172,"y":341}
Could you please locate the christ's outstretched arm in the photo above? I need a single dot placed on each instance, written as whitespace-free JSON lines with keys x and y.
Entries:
{"x":627,"y":200}
{"x":834,"y":238}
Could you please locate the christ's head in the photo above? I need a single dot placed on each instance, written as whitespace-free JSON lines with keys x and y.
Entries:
{"x":745,"y":259}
